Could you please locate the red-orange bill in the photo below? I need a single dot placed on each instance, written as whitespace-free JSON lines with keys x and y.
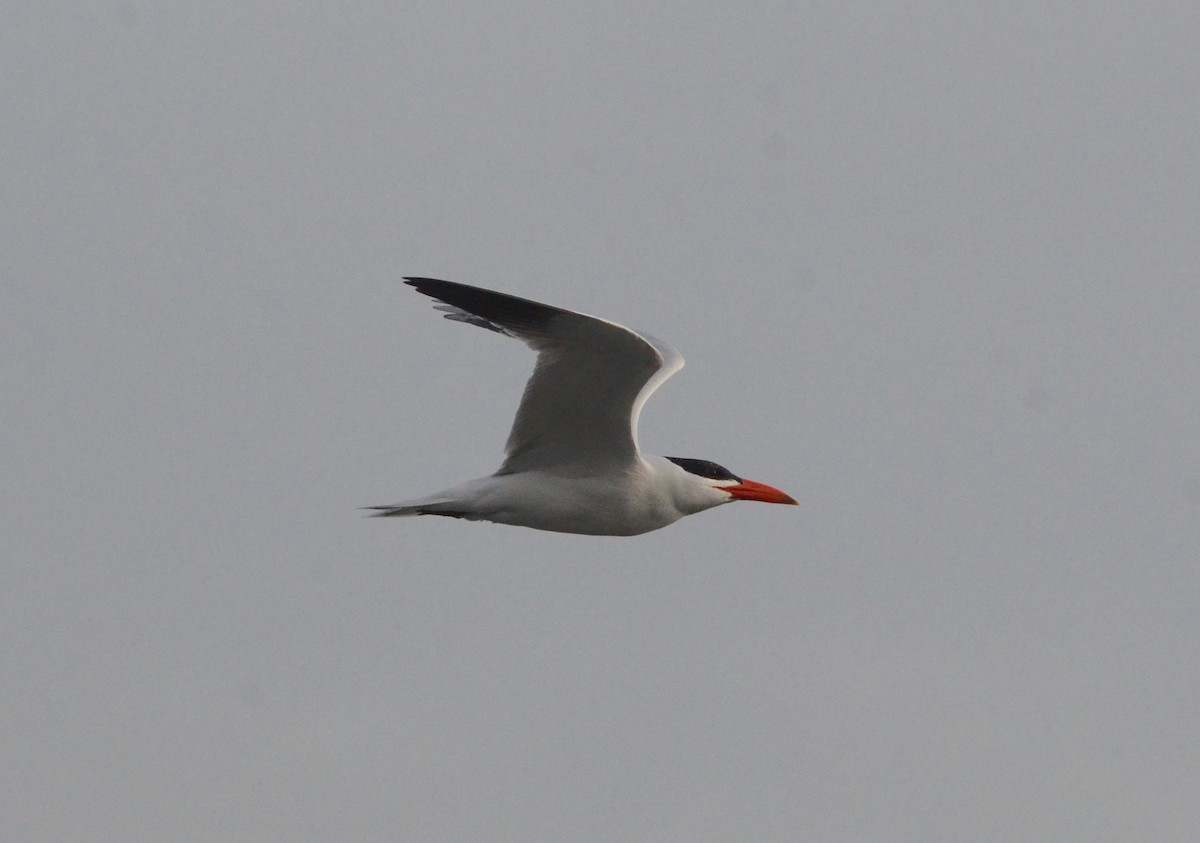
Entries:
{"x":748,"y":490}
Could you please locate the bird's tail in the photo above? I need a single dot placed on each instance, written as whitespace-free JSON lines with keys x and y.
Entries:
{"x":434,"y":505}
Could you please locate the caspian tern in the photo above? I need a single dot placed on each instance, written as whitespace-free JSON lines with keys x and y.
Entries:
{"x":572,"y":461}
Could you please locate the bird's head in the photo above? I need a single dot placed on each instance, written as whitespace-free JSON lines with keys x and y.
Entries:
{"x":729,"y":486}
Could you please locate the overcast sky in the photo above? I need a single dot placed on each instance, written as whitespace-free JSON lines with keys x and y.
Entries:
{"x":934,"y":270}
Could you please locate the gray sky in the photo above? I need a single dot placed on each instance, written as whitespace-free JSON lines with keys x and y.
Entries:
{"x":934,"y":270}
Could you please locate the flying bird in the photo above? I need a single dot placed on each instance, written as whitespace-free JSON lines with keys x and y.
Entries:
{"x":572,"y":463}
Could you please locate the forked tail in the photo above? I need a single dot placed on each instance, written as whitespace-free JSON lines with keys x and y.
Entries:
{"x":425,"y":506}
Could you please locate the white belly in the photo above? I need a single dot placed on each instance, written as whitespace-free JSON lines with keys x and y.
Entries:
{"x":588,"y":505}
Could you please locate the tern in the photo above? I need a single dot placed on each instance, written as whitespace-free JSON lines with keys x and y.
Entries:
{"x":572,"y":463}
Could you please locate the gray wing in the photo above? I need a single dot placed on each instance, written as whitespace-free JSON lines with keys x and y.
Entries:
{"x":580,"y":409}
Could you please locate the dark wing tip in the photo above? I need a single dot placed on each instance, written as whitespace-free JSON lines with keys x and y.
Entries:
{"x":428,"y":286}
{"x":508,"y":312}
